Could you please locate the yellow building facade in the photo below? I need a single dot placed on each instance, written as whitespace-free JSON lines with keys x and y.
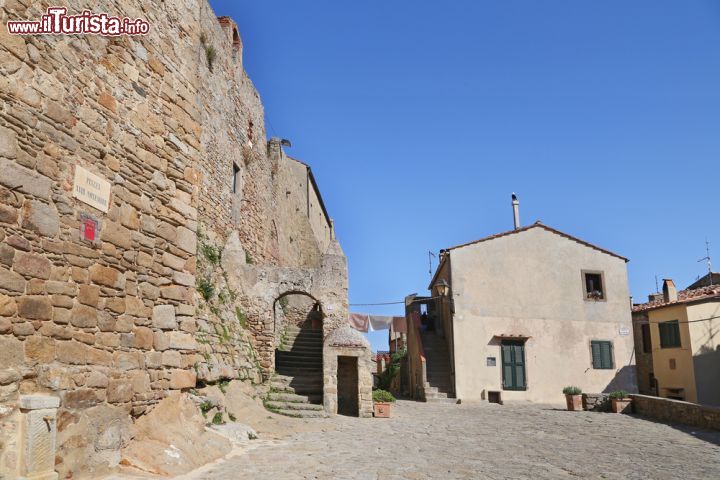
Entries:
{"x":677,"y":339}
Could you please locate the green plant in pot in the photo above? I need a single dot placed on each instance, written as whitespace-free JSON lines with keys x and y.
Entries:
{"x":621,"y":401}
{"x":573,"y":398}
{"x":382,"y":399}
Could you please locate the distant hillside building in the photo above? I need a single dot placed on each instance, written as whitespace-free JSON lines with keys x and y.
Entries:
{"x":523,"y":314}
{"x":677,"y":342}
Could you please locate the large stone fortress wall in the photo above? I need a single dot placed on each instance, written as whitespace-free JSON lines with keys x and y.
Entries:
{"x":112,"y":326}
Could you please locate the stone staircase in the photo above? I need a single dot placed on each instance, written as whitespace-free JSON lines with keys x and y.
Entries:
{"x":438,"y":387}
{"x":296,"y":389}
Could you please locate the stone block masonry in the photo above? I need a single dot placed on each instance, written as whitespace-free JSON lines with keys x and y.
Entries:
{"x":112,"y":311}
{"x":677,"y":411}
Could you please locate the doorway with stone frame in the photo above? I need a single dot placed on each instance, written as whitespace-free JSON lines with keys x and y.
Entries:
{"x":347,"y":386}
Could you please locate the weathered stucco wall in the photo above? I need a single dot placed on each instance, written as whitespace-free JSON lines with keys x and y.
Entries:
{"x":530,"y":284}
{"x":113,"y":326}
{"x":706,"y":350}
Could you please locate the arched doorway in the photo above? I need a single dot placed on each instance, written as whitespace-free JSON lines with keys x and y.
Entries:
{"x":298,"y":332}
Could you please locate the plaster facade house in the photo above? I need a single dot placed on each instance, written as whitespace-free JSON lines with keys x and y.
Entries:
{"x":678,"y":349}
{"x":151,"y":239}
{"x":520,"y":315}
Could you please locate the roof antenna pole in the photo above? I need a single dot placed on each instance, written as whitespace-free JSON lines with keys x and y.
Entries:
{"x":657,"y":285}
{"x":709,"y":261}
{"x":430,"y":255}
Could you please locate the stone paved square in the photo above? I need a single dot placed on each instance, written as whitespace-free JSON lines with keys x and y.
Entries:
{"x":481,"y":441}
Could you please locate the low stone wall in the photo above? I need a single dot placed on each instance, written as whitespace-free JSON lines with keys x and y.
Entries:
{"x":596,"y":402}
{"x":676,"y":411}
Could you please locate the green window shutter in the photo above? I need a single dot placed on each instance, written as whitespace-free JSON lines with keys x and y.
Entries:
{"x":513,"y":363}
{"x":596,"y":360}
{"x":602,"y":357}
{"x":669,"y":334}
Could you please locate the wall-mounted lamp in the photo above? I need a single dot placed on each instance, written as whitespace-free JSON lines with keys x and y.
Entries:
{"x":443,"y":288}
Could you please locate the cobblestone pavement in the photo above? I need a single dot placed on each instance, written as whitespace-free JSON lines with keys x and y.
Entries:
{"x":482,"y":441}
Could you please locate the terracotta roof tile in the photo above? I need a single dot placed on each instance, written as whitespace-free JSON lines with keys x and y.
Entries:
{"x":545,"y":227}
{"x":684,"y":296}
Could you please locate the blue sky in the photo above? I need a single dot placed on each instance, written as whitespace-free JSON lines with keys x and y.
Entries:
{"x":420,"y":118}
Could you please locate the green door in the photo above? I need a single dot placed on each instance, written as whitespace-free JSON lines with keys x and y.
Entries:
{"x":513,"y":363}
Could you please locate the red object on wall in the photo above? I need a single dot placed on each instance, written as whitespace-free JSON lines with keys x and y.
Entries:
{"x":87,"y":229}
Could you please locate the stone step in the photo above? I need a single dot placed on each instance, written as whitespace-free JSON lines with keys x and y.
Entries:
{"x":447,"y":401}
{"x":311,"y":392}
{"x":296,"y":354}
{"x":436,"y":394}
{"x":298,"y":347}
{"x":303,"y":413}
{"x":293,"y":406}
{"x":303,"y":334}
{"x":305,"y":343}
{"x":294,"y":371}
{"x":297,"y":363}
{"x":294,"y":398}
{"x":314,"y":378}
{"x":292,"y":356}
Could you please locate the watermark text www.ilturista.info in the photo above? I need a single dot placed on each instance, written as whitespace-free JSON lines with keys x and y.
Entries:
{"x":57,"y":22}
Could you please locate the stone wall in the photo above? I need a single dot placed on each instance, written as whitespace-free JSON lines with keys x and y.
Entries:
{"x":114,"y":324}
{"x":643,"y":360}
{"x":676,"y":411}
{"x":596,"y":402}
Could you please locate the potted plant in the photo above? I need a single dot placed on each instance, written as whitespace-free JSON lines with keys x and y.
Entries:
{"x":620,"y":401}
{"x":573,"y":398}
{"x":381,"y":403}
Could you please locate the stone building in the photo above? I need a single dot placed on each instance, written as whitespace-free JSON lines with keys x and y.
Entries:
{"x":520,"y":315}
{"x":678,"y":353}
{"x":149,"y":234}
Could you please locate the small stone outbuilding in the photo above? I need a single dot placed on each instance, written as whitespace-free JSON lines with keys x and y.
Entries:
{"x":347,"y":373}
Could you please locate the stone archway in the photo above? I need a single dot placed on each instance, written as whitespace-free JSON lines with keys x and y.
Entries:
{"x":298,"y":354}
{"x":295,"y":308}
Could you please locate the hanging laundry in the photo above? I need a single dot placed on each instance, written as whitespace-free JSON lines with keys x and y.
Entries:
{"x":380,"y":322}
{"x":359,"y":321}
{"x":399,"y":325}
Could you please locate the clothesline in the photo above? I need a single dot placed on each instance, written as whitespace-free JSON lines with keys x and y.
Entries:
{"x":423,"y":299}
{"x":363,"y":322}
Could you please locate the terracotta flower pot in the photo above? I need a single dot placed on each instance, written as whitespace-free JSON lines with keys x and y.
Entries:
{"x":574,"y":402}
{"x":621,"y":405}
{"x":381,"y":409}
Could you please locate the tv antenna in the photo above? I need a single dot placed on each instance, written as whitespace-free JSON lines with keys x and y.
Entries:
{"x":430,"y":257}
{"x":708,"y":260}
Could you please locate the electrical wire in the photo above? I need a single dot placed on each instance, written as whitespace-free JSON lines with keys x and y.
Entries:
{"x":424,"y":299}
{"x":648,"y":322}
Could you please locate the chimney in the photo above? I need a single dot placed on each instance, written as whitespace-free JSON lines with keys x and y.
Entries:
{"x":656,"y":297}
{"x":516,"y":211}
{"x":669,"y":291}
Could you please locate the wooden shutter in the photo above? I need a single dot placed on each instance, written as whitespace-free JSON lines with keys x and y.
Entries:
{"x":606,"y":354}
{"x":596,"y":360}
{"x":519,"y":360}
{"x":669,"y":334}
{"x":513,"y":364}
{"x":602,"y":357}
{"x":646,"y":339}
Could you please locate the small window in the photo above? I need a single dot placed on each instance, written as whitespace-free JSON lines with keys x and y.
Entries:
{"x":602,"y":354}
{"x":594,"y":287}
{"x":646,"y":340}
{"x":669,"y":334}
{"x":236,"y":178}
